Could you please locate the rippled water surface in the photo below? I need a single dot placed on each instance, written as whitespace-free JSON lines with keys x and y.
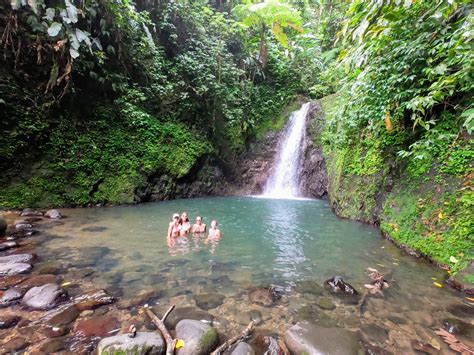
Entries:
{"x":288,"y":244}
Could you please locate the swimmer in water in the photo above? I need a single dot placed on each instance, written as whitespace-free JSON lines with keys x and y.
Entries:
{"x":214,"y":232}
{"x":199,"y":227}
{"x":174,"y":227}
{"x":185,"y":225}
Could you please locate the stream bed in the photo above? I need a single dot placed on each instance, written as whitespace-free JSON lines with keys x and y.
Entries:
{"x":270,"y":265}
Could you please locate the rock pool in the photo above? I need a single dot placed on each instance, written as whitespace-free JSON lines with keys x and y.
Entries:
{"x":269,"y":266}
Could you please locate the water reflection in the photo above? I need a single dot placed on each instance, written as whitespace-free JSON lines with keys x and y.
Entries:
{"x":283,"y":232}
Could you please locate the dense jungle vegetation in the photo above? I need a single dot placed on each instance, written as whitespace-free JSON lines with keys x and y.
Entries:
{"x":98,"y":97}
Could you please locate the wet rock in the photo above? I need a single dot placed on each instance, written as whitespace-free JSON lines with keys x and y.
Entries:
{"x":23,"y":226}
{"x":208,"y":301}
{"x":38,"y":280}
{"x":462,"y":281}
{"x":224,"y":267}
{"x":221,"y":281}
{"x":374,"y":334}
{"x":326,"y":303}
{"x":53,"y":345}
{"x":64,"y":316}
{"x":9,"y":281}
{"x":15,"y":344}
{"x":54,"y":332}
{"x":96,"y":326}
{"x":423,"y":348}
{"x":16,"y":258}
{"x":305,"y":337}
{"x":8,"y":269}
{"x":8,"y":321}
{"x":200,"y":338}
{"x":375,"y":350}
{"x":10,"y":296}
{"x":458,"y":327}
{"x":461,"y":310}
{"x":181,"y":313}
{"x":311,"y":287}
{"x":142,"y":343}
{"x":145,"y":297}
{"x":44,"y":297}
{"x":3,"y":226}
{"x":94,"y":229}
{"x":243,"y":349}
{"x":153,"y":279}
{"x":81,"y":273}
{"x":337,"y":285}
{"x":53,"y":214}
{"x":29,"y":212}
{"x":244,"y":318}
{"x":7,"y":245}
{"x":50,"y":267}
{"x":263,"y":296}
{"x":176,"y":262}
{"x":314,"y":314}
{"x":396,"y":319}
{"x":93,"y":300}
{"x":421,"y":317}
{"x":267,"y":344}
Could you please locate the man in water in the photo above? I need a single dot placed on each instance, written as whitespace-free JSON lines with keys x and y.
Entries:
{"x":199,"y":227}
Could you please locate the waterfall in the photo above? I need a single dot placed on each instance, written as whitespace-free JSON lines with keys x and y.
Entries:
{"x":284,"y":180}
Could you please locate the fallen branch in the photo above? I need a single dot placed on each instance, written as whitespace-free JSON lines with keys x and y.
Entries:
{"x":235,"y":339}
{"x":160,"y":323}
{"x":454,"y":343}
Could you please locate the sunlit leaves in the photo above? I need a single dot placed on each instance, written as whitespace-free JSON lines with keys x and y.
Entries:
{"x":54,"y":29}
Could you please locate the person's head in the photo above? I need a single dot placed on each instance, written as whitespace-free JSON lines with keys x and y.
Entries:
{"x":198,"y":220}
{"x":176,"y":217}
{"x":214,"y":224}
{"x":184,"y":217}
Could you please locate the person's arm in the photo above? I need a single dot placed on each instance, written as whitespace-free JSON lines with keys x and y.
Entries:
{"x":218,"y":234}
{"x":205,"y":228}
{"x":170,"y":227}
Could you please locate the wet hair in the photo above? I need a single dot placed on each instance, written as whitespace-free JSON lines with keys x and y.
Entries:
{"x":187,"y":217}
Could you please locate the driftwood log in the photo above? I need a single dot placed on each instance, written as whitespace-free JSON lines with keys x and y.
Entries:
{"x":160,"y":323}
{"x":235,"y":339}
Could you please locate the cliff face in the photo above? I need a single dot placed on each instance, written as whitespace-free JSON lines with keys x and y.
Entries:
{"x":425,"y":208}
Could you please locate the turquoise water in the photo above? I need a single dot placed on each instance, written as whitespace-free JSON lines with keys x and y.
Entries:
{"x":265,"y":242}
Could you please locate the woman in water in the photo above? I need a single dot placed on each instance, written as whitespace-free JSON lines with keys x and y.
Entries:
{"x":174,"y":227}
{"x":185,"y":225}
{"x":214,"y":232}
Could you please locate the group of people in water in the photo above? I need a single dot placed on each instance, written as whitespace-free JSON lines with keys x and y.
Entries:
{"x":181,"y":227}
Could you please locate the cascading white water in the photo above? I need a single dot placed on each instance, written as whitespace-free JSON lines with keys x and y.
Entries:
{"x":283,"y":183}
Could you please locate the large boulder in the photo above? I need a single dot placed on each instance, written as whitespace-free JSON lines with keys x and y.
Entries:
{"x":308,"y":338}
{"x":143,"y":343}
{"x":199,"y":338}
{"x":53,"y":214}
{"x":8,"y":269}
{"x":44,"y":297}
{"x":9,"y":296}
{"x":16,"y":258}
